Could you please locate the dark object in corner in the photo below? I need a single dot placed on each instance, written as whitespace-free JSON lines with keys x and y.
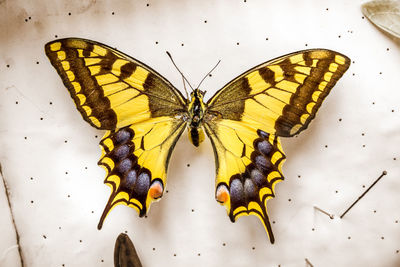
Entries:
{"x":125,"y":253}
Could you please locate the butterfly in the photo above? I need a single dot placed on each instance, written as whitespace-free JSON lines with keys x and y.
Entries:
{"x":144,"y":115}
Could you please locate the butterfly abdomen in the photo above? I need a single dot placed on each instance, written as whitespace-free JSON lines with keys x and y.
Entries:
{"x":196,"y":135}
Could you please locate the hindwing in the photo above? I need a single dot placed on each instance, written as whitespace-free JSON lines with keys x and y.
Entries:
{"x":136,"y":160}
{"x":249,"y":165}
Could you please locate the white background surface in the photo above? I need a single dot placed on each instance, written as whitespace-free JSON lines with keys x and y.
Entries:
{"x":49,"y":154}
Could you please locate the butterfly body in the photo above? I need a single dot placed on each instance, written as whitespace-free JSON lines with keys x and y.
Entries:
{"x":196,"y":110}
{"x":144,"y":115}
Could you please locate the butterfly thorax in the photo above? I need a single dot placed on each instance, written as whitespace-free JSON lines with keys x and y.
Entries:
{"x":196,"y":109}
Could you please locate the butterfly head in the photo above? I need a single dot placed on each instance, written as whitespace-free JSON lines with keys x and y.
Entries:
{"x":196,"y":109}
{"x":197,"y":93}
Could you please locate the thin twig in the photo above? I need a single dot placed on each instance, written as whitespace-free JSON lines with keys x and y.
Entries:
{"x":363,"y":194}
{"x":12,"y":217}
{"x":324,"y":212}
{"x":309,"y":263}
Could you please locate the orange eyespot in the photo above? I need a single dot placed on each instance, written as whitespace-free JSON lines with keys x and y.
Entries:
{"x":222,"y":194}
{"x":156,"y":190}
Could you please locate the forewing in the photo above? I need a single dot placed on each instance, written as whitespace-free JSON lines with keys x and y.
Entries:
{"x":110,"y":89}
{"x":283,"y":95}
{"x":136,"y":160}
{"x":249,"y":164}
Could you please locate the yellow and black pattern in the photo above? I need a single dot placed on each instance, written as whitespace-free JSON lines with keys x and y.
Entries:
{"x":249,"y":164}
{"x":141,"y":110}
{"x":144,"y":116}
{"x":110,"y":89}
{"x":136,"y":161}
{"x":245,"y":118}
{"x":282,"y":95}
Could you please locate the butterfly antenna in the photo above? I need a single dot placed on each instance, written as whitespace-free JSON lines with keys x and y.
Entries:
{"x":184,"y":87}
{"x":208,"y":73}
{"x":183,"y":76}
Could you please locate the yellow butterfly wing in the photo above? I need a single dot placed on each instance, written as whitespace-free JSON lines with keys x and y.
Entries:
{"x":110,"y":89}
{"x":249,"y":164}
{"x":141,"y":111}
{"x":136,"y":159}
{"x":246,"y":117}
